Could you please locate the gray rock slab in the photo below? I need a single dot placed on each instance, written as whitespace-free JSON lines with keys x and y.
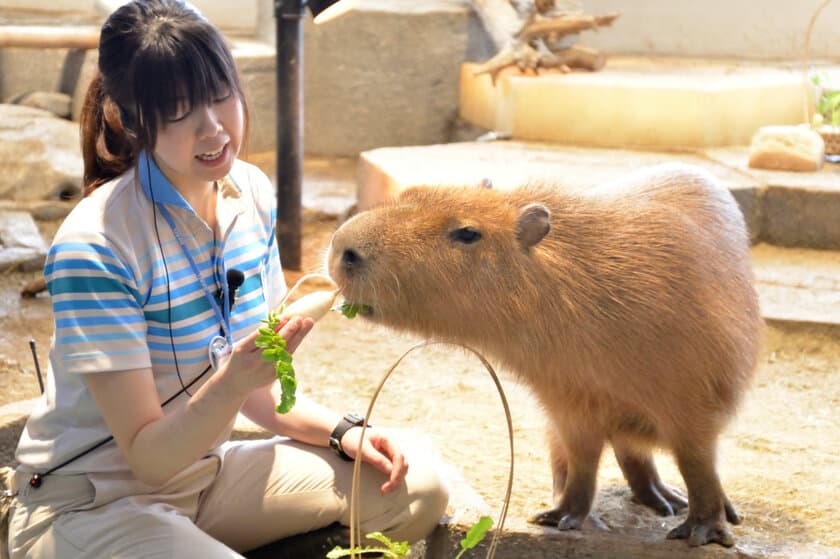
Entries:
{"x":21,"y":244}
{"x":541,"y":543}
{"x":51,"y":101}
{"x":798,"y":286}
{"x":40,"y":155}
{"x":18,"y":230}
{"x":44,"y":210}
{"x":12,"y":419}
{"x":798,"y":209}
{"x":26,"y":69}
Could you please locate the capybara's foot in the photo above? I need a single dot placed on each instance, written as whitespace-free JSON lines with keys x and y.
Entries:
{"x":556,"y":518}
{"x":665,"y":500}
{"x":640,"y":471}
{"x":702,"y":532}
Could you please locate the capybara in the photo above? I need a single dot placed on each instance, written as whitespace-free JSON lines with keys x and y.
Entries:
{"x":628,"y":308}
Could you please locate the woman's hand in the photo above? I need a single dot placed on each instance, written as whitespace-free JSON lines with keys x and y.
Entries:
{"x":245,"y":370}
{"x":380,"y":452}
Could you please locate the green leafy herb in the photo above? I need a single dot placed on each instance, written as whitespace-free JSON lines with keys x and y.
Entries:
{"x":274,"y":351}
{"x":350,"y":310}
{"x":390,"y":549}
{"x":475,"y":534}
{"x":400,"y":550}
{"x":828,"y":101}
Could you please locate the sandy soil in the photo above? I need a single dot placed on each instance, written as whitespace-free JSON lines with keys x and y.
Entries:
{"x":776,"y":459}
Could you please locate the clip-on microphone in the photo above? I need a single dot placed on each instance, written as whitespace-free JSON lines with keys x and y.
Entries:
{"x":219,"y":345}
{"x":235,"y":278}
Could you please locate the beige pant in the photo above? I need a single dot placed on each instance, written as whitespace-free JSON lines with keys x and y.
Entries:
{"x":259,"y":492}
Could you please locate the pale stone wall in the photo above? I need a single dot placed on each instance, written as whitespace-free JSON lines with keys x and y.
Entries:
{"x":755,"y":29}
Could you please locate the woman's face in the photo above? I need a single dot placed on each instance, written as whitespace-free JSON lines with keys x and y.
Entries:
{"x":199,"y":144}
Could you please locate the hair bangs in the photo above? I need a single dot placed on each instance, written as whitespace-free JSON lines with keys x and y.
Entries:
{"x":191,"y":68}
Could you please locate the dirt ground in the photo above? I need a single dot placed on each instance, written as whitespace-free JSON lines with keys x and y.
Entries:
{"x":779,"y":459}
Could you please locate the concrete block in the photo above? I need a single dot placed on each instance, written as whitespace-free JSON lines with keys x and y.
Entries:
{"x":797,"y":217}
{"x":385,"y":172}
{"x":257,"y":69}
{"x":633,"y":102}
{"x":797,"y":209}
{"x":386,"y":74}
{"x":18,"y":72}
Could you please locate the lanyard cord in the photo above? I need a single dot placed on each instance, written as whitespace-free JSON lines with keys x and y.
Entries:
{"x":36,"y":479}
{"x":223,"y":316}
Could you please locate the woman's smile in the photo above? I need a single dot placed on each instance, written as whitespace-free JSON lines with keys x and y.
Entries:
{"x":212,"y":159}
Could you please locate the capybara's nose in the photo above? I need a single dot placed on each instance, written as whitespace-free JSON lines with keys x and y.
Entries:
{"x":351,"y":260}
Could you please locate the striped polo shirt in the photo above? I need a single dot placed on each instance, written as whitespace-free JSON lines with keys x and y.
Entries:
{"x":125,"y":296}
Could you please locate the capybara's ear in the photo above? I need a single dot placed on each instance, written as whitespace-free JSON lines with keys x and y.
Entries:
{"x":532,"y":224}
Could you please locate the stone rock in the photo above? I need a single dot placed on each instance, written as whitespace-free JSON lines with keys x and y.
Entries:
{"x":40,"y":155}
{"x":40,"y":210}
{"x":51,"y":101}
{"x":87,"y":70}
{"x":21,"y":244}
{"x":12,"y":419}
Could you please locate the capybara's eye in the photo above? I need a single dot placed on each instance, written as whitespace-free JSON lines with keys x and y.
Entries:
{"x":465,"y":235}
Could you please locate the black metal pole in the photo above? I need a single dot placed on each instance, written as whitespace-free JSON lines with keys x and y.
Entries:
{"x":37,"y":366}
{"x":288,"y":16}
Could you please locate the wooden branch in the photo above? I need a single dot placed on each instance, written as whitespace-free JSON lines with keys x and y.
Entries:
{"x":37,"y":36}
{"x":576,"y":56}
{"x":543,"y":36}
{"x":526,"y":58}
{"x":564,"y":24}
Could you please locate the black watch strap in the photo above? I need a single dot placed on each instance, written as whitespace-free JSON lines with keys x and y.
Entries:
{"x":347,"y":422}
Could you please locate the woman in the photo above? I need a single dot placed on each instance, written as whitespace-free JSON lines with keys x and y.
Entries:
{"x":170,"y":263}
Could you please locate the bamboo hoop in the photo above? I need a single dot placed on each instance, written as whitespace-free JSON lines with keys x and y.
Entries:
{"x":355,"y":523}
{"x":806,"y":56}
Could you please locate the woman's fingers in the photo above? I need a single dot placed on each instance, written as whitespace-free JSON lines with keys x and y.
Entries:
{"x":385,"y":456}
{"x":294,"y":331}
{"x":399,"y":465}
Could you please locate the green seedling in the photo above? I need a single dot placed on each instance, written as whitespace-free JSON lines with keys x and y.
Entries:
{"x":400,"y":550}
{"x":828,"y":102}
{"x":389,"y":549}
{"x":274,"y":351}
{"x":475,"y":534}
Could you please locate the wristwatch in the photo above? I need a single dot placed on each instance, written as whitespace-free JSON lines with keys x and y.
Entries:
{"x":347,"y":422}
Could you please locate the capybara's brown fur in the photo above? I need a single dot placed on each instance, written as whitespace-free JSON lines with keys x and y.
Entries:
{"x":628,"y":308}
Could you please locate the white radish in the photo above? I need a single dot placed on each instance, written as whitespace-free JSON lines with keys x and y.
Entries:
{"x":313,"y":305}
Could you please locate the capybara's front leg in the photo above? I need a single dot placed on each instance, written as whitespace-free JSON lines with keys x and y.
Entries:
{"x":641,"y":474}
{"x":708,"y":507}
{"x":580,"y":452}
